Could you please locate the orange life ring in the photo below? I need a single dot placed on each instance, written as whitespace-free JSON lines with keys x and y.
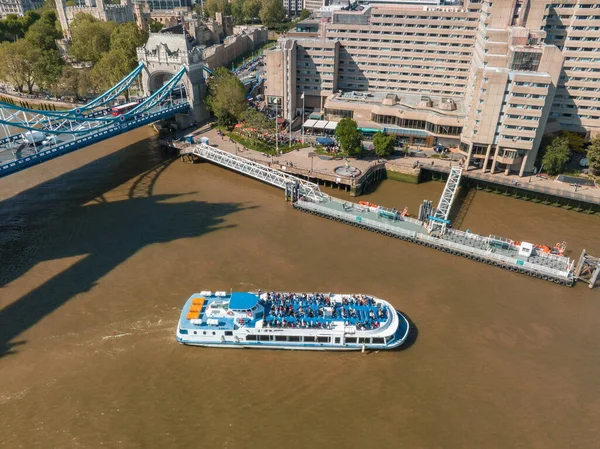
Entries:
{"x":229,"y":312}
{"x":249,"y":314}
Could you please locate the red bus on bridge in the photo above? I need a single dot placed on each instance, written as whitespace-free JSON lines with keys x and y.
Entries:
{"x":123,"y":108}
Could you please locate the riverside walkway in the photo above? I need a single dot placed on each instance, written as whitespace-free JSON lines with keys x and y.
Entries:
{"x":514,"y":256}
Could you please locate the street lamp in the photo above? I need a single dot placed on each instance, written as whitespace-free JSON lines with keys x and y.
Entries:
{"x":276,"y":126}
{"x":302,"y":125}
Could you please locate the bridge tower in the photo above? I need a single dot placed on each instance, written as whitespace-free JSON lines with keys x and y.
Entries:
{"x":163,"y":55}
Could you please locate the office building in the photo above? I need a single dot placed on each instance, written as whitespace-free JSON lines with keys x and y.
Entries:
{"x":18,"y":7}
{"x":480,"y":75}
{"x":293,"y":7}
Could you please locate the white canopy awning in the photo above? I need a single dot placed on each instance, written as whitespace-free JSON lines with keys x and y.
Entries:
{"x":331,"y":125}
{"x":309,"y":123}
{"x":320,"y":124}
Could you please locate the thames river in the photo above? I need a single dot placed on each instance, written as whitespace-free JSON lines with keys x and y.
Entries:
{"x":101,"y":248}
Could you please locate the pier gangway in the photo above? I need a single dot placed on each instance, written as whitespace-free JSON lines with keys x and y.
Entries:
{"x":253,"y":169}
{"x":308,"y":198}
{"x":440,"y":221}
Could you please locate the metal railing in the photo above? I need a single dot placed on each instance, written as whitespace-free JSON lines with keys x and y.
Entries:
{"x":442,"y":211}
{"x":526,"y":186}
{"x":441,"y":243}
{"x":263,"y":173}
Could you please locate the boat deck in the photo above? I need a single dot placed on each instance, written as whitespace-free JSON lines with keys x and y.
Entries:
{"x":317,"y":311}
{"x":200,"y":323}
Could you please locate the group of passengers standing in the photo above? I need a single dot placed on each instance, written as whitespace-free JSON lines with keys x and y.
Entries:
{"x":307,"y":309}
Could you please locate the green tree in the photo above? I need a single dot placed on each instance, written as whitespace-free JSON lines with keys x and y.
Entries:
{"x":90,"y":38}
{"x":251,"y":9}
{"x":74,"y":82}
{"x":110,"y":69}
{"x":556,"y":156}
{"x":18,"y":64}
{"x":48,"y":68}
{"x":127,"y":37}
{"x":383,"y":144}
{"x":226,"y":97}
{"x":258,"y":120}
{"x":14,"y":27}
{"x":593,"y":154}
{"x":237,"y":10}
{"x":213,"y":6}
{"x":305,"y":14}
{"x":44,"y":33}
{"x":349,"y":136}
{"x":49,"y":5}
{"x":155,"y":26}
{"x":576,"y":142}
{"x":271,"y":12}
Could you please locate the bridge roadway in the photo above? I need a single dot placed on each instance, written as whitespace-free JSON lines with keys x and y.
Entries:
{"x":551,"y":267}
{"x":66,"y":131}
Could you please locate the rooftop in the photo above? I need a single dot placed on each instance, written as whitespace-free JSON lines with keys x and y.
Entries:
{"x":242,"y":301}
{"x":403,"y":101}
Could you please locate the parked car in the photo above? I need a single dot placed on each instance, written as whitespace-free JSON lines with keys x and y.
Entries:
{"x":441,"y":149}
{"x":585,"y":162}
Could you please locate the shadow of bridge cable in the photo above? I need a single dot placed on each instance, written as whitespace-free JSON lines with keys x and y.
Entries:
{"x":106,"y":233}
{"x":27,"y":218}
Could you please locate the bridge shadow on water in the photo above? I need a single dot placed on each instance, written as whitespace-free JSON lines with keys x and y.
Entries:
{"x":71,"y":215}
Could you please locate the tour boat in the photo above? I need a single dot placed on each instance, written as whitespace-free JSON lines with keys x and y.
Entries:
{"x":277,"y":320}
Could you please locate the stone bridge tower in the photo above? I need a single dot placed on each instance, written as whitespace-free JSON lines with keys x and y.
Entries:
{"x":163,"y":56}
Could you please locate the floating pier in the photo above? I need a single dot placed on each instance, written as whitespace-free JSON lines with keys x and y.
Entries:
{"x":431,"y":229}
{"x":491,"y":250}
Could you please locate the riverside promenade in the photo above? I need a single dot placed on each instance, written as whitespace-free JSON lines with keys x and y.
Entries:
{"x":307,"y":164}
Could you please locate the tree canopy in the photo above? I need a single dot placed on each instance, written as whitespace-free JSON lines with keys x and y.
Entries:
{"x":252,"y":9}
{"x":13,"y":27}
{"x":305,"y":14}
{"x":74,"y":81}
{"x":556,"y":156}
{"x":110,"y":69}
{"x":593,"y":154}
{"x":90,"y":38}
{"x":383,"y":144}
{"x":226,"y":97}
{"x":576,"y":142}
{"x":271,"y":12}
{"x":349,"y":136}
{"x":257,"y":120}
{"x":127,"y":37}
{"x":18,"y":64}
{"x":213,"y":6}
{"x":155,"y":26}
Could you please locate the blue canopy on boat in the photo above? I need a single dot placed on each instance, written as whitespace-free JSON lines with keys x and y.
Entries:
{"x":325,"y":141}
{"x":242,"y":301}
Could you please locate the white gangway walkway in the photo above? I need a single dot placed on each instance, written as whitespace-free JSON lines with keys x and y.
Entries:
{"x":442,"y":212}
{"x":254,"y":169}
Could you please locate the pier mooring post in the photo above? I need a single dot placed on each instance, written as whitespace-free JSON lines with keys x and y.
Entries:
{"x":588,"y":269}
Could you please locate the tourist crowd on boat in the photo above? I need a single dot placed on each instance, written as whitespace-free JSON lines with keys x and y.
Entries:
{"x":317,"y":311}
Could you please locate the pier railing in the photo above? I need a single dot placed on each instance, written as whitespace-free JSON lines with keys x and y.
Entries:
{"x":520,"y":184}
{"x":543,"y":272}
{"x":254,"y":169}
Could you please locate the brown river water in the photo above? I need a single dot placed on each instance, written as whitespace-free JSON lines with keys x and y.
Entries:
{"x":99,"y":250}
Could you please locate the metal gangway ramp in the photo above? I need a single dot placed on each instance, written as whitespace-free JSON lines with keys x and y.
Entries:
{"x":254,"y":169}
{"x":439,"y":221}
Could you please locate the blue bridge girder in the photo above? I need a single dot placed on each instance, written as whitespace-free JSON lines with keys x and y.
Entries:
{"x":66,"y":131}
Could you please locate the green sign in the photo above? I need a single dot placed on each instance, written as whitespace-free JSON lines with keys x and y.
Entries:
{"x":359,"y":219}
{"x":520,"y":262}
